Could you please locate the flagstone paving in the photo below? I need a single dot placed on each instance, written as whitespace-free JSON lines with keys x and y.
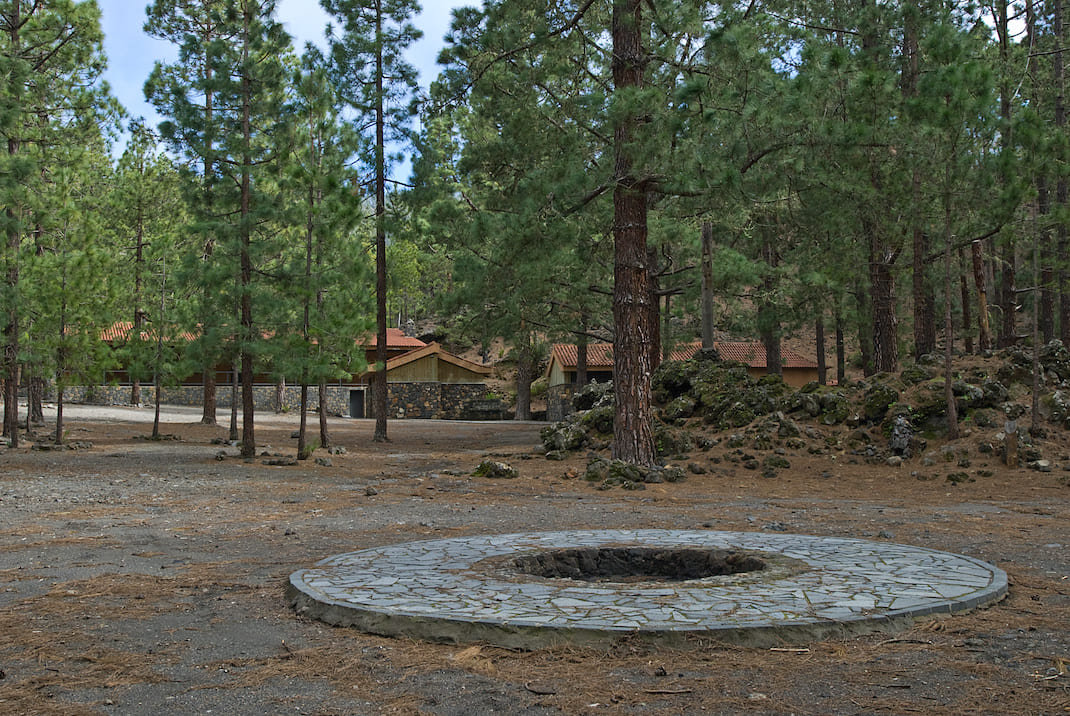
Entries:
{"x":462,"y":590}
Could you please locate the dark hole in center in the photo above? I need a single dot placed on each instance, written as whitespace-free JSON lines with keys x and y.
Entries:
{"x":623,"y":564}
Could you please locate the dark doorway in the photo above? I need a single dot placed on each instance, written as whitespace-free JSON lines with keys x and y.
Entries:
{"x":356,"y":403}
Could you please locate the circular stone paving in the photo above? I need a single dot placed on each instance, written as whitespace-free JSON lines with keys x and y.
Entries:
{"x":538,"y":589}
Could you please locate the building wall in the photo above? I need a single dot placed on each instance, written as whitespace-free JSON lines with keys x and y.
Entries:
{"x":424,"y":370}
{"x":433,"y":400}
{"x":455,"y":374}
{"x":558,"y":376}
{"x":795,"y":377}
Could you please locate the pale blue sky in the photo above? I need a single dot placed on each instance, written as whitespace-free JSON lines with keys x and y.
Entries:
{"x":131,"y":53}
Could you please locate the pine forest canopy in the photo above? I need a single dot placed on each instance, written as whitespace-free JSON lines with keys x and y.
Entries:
{"x":583,"y":170}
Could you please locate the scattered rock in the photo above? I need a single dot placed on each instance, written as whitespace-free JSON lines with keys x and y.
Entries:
{"x":670,"y":441}
{"x":324,"y":462}
{"x":496,"y":470}
{"x":902,"y":437}
{"x":776,"y":461}
{"x":672,"y":474}
{"x":370,"y":491}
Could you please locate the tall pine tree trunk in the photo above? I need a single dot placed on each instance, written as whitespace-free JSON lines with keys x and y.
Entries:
{"x":707,"y":284}
{"x":1061,"y":193}
{"x":768,"y":318}
{"x":1008,"y":271}
{"x":654,"y":320}
{"x":841,"y":352}
{"x":303,"y":452}
{"x":984,"y":328}
{"x":325,"y":433}
{"x":139,"y":314}
{"x":633,"y":438}
{"x":864,"y":322}
{"x":581,"y":355}
{"x":248,"y":444}
{"x":885,"y":321}
{"x":1046,"y":294}
{"x":11,"y":277}
{"x":379,"y":382}
{"x":964,"y":297}
{"x":209,"y":401}
{"x":819,"y":332}
{"x":924,"y":300}
{"x":949,"y":330}
{"x":35,"y":398}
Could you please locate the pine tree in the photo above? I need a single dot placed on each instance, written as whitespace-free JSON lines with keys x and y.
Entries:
{"x":51,"y":59}
{"x":228,"y":114}
{"x":186,"y":91}
{"x":379,"y":85}
{"x":147,"y":207}
{"x":331,"y":267}
{"x":66,"y":299}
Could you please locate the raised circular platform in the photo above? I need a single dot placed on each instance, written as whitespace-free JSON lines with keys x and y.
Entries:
{"x":472,"y":589}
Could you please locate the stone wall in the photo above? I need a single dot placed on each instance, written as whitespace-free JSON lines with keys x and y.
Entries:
{"x":264,"y":396}
{"x":446,"y":401}
{"x":462,"y":401}
{"x":558,"y":402}
{"x":407,"y":400}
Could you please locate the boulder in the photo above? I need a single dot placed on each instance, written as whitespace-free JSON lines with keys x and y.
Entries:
{"x":496,"y":470}
{"x":680,"y":408}
{"x":593,"y":395}
{"x":879,"y":397}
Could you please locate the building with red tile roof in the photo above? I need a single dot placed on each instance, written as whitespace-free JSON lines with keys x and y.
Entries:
{"x":423,"y":380}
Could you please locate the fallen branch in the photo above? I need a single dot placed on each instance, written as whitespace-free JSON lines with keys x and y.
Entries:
{"x":905,"y":641}
{"x":669,"y":691}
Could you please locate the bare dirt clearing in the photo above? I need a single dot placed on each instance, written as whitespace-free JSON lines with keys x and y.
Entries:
{"x":138,"y":577}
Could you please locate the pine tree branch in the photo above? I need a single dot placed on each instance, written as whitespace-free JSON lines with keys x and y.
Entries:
{"x":937,"y":255}
{"x":508,"y":54}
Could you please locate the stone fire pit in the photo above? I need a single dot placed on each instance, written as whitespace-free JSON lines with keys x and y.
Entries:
{"x":538,"y":589}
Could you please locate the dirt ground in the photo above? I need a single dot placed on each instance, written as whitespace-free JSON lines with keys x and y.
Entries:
{"x":141,"y":577}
